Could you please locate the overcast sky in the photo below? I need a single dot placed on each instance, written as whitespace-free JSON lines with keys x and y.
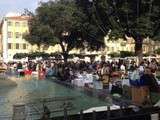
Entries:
{"x":17,"y":6}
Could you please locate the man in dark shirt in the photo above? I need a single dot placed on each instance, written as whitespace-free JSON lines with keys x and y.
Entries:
{"x":148,"y":79}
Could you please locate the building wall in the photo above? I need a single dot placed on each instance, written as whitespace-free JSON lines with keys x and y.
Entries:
{"x":149,"y":45}
{"x":118,"y":45}
{"x":128,"y":45}
{"x":0,"y":46}
{"x":4,"y":40}
{"x":13,"y":29}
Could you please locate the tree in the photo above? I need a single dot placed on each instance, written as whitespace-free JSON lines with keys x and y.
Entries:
{"x":124,"y":54}
{"x":114,"y":54}
{"x":32,"y":55}
{"x":20,"y":55}
{"x":63,"y":22}
{"x":39,"y":33}
{"x":157,"y":51}
{"x":138,"y":19}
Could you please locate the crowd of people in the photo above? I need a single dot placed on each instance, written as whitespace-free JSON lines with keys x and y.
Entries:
{"x":104,"y":71}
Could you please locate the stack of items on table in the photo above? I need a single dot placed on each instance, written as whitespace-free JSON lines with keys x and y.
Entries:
{"x":87,"y":79}
{"x":82,"y":78}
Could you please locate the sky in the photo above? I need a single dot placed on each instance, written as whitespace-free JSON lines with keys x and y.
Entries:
{"x":17,"y":6}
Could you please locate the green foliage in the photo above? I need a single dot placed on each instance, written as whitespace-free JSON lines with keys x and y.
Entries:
{"x":157,"y":51}
{"x":20,"y":55}
{"x":63,"y":22}
{"x":81,"y":56}
{"x":39,"y":33}
{"x":114,"y":54}
{"x":124,"y":54}
{"x":76,"y":55}
{"x":135,"y":18}
{"x":38,"y":54}
{"x":146,"y":54}
{"x":31,"y":55}
{"x":56,"y":55}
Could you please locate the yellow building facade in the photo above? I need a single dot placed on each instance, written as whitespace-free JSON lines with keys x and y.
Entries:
{"x":0,"y":45}
{"x":13,"y":27}
{"x":118,"y":45}
{"x":129,"y":44}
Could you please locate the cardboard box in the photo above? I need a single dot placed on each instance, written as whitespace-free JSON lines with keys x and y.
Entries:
{"x":140,"y":94}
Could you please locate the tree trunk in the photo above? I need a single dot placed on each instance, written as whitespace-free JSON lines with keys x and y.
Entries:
{"x":140,"y":56}
{"x":64,"y":50}
{"x":39,"y":48}
{"x":65,"y":57}
{"x":138,"y":49}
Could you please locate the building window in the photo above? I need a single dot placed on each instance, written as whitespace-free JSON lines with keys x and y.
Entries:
{"x":132,"y":49}
{"x":9,"y":46}
{"x":9,"y":23}
{"x":24,"y":46}
{"x":117,"y":48}
{"x":9,"y":34}
{"x":112,"y":49}
{"x":18,"y":35}
{"x":143,"y":48}
{"x":107,"y":48}
{"x":17,"y":24}
{"x":24,"y":24}
{"x":122,"y":48}
{"x":123,"y":44}
{"x":17,"y":46}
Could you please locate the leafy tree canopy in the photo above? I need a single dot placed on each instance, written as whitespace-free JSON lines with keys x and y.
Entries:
{"x":138,"y":19}
{"x":157,"y":51}
{"x":37,"y":54}
{"x":124,"y":54}
{"x":63,"y":22}
{"x":120,"y":18}
{"x":114,"y":54}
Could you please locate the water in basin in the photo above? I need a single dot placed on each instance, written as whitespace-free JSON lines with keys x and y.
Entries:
{"x":33,"y":90}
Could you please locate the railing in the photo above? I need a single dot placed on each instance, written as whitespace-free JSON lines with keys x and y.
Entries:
{"x":5,"y":117}
{"x":121,"y":114}
{"x":36,"y":109}
{"x":150,"y":113}
{"x":124,"y":113}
